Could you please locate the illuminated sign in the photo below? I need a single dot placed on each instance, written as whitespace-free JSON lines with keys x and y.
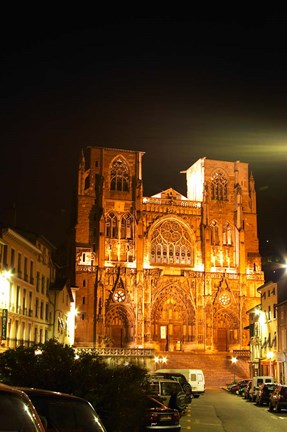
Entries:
{"x":4,"y":324}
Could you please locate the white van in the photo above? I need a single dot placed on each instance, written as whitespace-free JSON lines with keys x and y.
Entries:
{"x":256,"y":382}
{"x":195,"y":377}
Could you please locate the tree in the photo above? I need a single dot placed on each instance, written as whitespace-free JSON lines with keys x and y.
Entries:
{"x":117,"y":393}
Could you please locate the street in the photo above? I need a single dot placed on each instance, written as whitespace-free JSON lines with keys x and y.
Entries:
{"x":219,"y":411}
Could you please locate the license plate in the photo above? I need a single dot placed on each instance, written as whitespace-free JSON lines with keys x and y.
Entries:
{"x":165,"y":417}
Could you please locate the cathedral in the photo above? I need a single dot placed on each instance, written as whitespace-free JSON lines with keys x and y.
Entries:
{"x":168,"y":271}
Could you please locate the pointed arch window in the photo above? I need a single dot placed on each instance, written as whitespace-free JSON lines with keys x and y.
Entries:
{"x":127,"y":226}
{"x":219,"y":187}
{"x":111,"y":225}
{"x":119,"y":175}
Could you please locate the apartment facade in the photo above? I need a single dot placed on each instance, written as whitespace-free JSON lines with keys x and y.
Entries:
{"x":27,"y":278}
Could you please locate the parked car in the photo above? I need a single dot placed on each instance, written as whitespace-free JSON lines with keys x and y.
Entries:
{"x":278,"y":399}
{"x":237,"y":388}
{"x":195,"y":377}
{"x":176,"y":376}
{"x":63,"y":412}
{"x":256,"y":382}
{"x":17,"y":412}
{"x":263,"y":394}
{"x":159,"y":417}
{"x":247,"y":390}
{"x":169,"y":392}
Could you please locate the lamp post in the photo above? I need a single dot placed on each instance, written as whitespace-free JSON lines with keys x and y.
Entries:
{"x":234,"y":361}
{"x":270,"y":356}
{"x":158,"y":360}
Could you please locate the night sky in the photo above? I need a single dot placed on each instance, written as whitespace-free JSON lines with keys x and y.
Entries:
{"x":176,"y":88}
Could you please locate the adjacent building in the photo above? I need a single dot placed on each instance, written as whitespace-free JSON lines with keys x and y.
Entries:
{"x":268,"y":330}
{"x":34,"y":307}
{"x":168,"y":271}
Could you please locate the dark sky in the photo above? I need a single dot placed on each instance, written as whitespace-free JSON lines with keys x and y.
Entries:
{"x":176,"y":88}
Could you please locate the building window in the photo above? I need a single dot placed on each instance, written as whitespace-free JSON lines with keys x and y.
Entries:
{"x":19,"y":265}
{"x":43,"y":285}
{"x":36,"y":307}
{"x":13,"y":259}
{"x":126,"y":227}
{"x":5,"y":255}
{"x":24,"y":303}
{"x":171,"y":244}
{"x":219,"y":186}
{"x":119,"y":175}
{"x":31,"y":272}
{"x":38,"y":282}
{"x":111,"y":225}
{"x":18,"y":306}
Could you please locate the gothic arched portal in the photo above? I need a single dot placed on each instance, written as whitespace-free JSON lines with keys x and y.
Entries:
{"x":119,"y":326}
{"x":225,"y":330}
{"x":172,"y":317}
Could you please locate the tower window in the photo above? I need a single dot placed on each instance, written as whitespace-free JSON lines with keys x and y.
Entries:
{"x":119,"y":175}
{"x":219,"y":187}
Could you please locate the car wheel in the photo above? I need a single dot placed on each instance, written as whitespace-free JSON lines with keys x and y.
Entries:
{"x":270,"y":406}
{"x":181,"y":401}
{"x":277,"y":408}
{"x":187,"y":388}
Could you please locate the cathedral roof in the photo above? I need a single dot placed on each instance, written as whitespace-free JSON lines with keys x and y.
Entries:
{"x":169,"y":194}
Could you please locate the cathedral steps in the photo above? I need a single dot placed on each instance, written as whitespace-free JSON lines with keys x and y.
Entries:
{"x":217,"y":367}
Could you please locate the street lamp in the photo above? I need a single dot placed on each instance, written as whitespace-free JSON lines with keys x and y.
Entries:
{"x":270,"y":355}
{"x":234,"y":361}
{"x":158,"y":360}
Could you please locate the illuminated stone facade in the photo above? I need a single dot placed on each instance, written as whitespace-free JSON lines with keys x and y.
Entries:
{"x":167,"y":271}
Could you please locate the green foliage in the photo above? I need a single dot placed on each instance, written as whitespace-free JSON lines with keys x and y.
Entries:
{"x":17,"y":366}
{"x":117,"y":393}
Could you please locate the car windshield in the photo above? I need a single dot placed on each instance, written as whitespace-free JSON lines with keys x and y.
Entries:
{"x":15,"y":414}
{"x":64,"y":415}
{"x":169,"y":388}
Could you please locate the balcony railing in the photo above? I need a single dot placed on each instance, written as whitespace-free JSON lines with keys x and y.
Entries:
{"x":118,"y":352}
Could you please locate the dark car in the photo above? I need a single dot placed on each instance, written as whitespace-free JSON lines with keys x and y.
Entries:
{"x":247,"y":390}
{"x":61,"y":412}
{"x":176,"y":376}
{"x":168,"y":392}
{"x":17,"y":412}
{"x":239,"y":387}
{"x":278,"y":399}
{"x":264,"y":392}
{"x":159,"y":417}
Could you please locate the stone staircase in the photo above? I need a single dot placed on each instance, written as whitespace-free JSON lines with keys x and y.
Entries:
{"x":217,"y":367}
